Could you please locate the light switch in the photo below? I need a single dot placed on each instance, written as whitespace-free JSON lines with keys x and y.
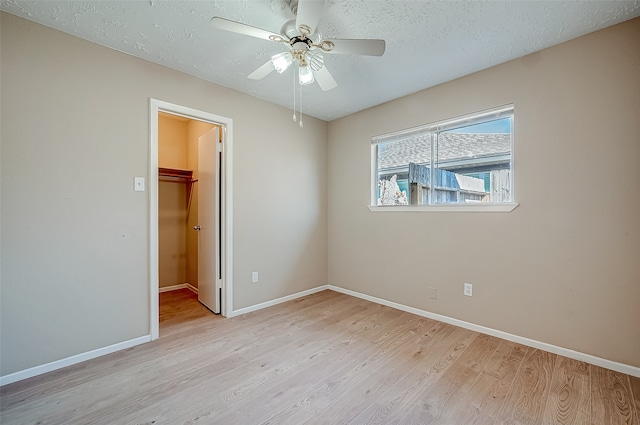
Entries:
{"x":138,"y":184}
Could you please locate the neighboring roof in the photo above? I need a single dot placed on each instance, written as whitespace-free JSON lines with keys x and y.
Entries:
{"x":451,"y":146}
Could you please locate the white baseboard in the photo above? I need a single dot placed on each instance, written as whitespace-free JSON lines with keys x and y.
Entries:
{"x":588,"y":358}
{"x":179,"y":286}
{"x":277,"y":301}
{"x":608,"y":364}
{"x":59,"y":364}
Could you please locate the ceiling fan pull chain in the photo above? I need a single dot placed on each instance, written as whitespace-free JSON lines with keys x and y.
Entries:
{"x":301,"y":125}
{"x":294,"y":97}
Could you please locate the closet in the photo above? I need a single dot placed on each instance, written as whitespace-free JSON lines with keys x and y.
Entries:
{"x":178,"y":200}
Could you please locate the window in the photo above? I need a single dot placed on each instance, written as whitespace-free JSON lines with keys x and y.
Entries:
{"x":469,"y":159}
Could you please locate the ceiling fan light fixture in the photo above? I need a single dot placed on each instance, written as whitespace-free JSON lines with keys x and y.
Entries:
{"x":305,"y":76}
{"x":305,"y":46}
{"x":315,"y":60}
{"x":282,"y":61}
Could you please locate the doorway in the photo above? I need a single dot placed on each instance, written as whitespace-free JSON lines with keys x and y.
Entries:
{"x":214,"y":140}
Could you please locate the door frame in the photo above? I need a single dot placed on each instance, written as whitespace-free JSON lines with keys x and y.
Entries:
{"x":226,"y":232}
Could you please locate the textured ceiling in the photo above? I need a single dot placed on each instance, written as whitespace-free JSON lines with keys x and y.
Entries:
{"x":428,"y":42}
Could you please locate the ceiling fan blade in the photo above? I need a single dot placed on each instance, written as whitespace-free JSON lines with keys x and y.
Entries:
{"x":238,"y":28}
{"x":325,"y":79}
{"x":309,"y":12}
{"x":262,"y":72}
{"x":368,"y":47}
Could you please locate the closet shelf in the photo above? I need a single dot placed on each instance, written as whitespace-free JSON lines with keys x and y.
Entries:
{"x":179,"y":176}
{"x":173,"y":173}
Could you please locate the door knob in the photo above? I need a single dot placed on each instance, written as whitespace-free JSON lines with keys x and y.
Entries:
{"x":196,"y":227}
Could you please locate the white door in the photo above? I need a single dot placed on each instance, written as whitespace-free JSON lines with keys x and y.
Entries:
{"x":209,"y":283}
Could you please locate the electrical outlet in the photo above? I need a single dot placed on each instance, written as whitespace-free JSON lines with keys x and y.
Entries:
{"x":433,"y":293}
{"x":468,"y":289}
{"x":254,"y":277}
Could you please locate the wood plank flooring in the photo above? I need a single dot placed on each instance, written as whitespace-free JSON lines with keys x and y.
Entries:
{"x":327,"y":358}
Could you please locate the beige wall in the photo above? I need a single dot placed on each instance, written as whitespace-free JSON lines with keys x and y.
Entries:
{"x":172,"y":233}
{"x":172,"y":142}
{"x":75,"y":260}
{"x":173,"y":254}
{"x":562,"y":268}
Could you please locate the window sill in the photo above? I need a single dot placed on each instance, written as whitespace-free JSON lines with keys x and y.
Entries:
{"x":446,"y":208}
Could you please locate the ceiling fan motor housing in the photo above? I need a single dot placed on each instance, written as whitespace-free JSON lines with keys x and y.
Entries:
{"x":290,"y":29}
{"x":300,"y":43}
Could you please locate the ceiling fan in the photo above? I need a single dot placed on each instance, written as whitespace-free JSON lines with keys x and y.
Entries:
{"x":305,"y":45}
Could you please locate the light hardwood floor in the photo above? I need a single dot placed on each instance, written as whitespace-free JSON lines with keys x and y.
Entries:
{"x":327,"y":358}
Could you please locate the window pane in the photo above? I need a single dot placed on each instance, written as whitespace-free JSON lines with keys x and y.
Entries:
{"x":393,"y":167}
{"x":468,"y":159}
{"x":473,"y":163}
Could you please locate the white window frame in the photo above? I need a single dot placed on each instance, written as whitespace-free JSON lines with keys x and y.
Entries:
{"x":469,"y":119}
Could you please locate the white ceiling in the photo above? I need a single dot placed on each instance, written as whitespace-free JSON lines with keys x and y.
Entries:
{"x":428,"y":42}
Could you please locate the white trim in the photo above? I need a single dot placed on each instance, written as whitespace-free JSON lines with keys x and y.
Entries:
{"x":608,"y":364}
{"x":374,"y":175}
{"x":154,"y":276}
{"x":448,"y":124}
{"x":59,"y":364}
{"x":227,"y":219}
{"x":469,"y":207}
{"x":588,"y":358}
{"x":278,"y":301}
{"x":512,"y":174}
{"x":179,"y":286}
{"x":156,"y":106}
